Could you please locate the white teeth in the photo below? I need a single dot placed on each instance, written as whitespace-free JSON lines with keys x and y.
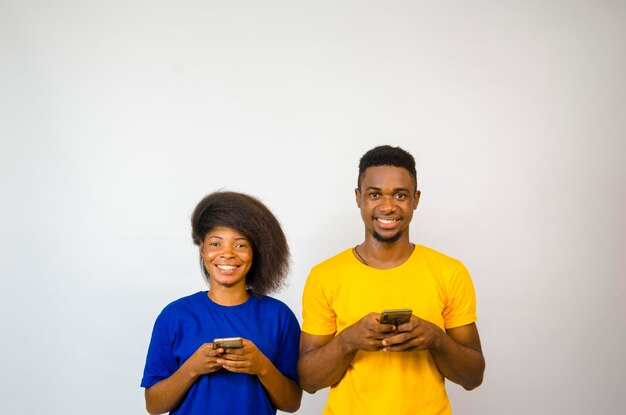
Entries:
{"x":387,"y":220}
{"x":226,"y":267}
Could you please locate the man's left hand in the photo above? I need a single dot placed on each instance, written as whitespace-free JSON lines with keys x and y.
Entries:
{"x":417,"y":334}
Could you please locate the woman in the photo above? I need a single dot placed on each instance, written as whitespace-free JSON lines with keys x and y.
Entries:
{"x":244,"y":256}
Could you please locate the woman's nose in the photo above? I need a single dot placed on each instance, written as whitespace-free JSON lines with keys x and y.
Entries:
{"x":226,"y":252}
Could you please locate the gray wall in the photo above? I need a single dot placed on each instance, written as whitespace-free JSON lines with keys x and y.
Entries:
{"x":117,"y":117}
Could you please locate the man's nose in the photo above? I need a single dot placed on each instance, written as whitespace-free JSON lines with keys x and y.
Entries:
{"x":387,"y":204}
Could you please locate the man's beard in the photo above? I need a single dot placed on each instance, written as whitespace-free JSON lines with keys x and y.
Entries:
{"x":389,"y":240}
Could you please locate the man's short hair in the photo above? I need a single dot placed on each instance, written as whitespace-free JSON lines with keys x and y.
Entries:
{"x":387,"y":156}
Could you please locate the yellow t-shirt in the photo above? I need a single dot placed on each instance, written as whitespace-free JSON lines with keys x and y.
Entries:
{"x":342,"y":290}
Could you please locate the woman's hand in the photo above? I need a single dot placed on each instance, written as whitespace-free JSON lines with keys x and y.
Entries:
{"x":284,"y":393}
{"x":204,"y":360}
{"x":247,"y":359}
{"x":166,"y":395}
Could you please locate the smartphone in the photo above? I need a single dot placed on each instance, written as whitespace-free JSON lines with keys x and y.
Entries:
{"x":228,"y":343}
{"x":397,"y":317}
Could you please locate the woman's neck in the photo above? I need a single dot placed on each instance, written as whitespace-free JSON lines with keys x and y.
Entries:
{"x":228,"y":296}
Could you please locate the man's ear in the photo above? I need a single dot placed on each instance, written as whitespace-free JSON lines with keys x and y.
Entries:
{"x":417,"y":199}
{"x":357,"y":195}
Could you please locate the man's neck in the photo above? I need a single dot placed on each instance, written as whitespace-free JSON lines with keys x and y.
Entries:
{"x":384,"y":255}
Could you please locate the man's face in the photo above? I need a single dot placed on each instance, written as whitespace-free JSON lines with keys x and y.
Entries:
{"x":387,"y":200}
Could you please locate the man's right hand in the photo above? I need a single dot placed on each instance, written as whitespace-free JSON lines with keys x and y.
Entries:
{"x":325,"y":358}
{"x":367,"y":334}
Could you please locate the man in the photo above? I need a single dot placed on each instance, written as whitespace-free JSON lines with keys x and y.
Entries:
{"x":375,"y":368}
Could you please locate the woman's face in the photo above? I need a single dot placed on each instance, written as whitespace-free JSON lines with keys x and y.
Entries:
{"x":227,"y":257}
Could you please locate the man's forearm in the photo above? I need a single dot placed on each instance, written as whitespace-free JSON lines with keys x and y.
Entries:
{"x":325,"y":366}
{"x":460,"y":364}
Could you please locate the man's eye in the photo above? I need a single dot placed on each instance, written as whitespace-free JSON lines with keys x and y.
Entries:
{"x":373,"y":195}
{"x":400,"y":196}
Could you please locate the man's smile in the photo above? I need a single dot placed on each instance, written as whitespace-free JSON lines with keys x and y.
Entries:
{"x":387,"y":223}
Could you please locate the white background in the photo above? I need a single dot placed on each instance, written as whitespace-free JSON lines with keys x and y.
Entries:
{"x":116,"y":117}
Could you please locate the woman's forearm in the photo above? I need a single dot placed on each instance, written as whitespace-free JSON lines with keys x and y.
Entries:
{"x":284,"y":393}
{"x":167,"y":394}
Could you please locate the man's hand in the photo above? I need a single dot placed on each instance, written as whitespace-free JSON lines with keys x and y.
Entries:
{"x":417,"y":334}
{"x":457,"y":352}
{"x":324,"y":359}
{"x":367,"y":334}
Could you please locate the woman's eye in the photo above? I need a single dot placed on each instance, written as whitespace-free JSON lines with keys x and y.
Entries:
{"x":214,"y":244}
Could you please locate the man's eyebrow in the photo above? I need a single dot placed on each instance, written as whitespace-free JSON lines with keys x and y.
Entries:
{"x":397,"y":189}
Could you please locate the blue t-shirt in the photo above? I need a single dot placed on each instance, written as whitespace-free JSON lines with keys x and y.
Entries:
{"x":187,"y":323}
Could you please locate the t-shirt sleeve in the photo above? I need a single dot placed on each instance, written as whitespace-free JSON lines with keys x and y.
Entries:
{"x":318,"y":317}
{"x":460,"y":306}
{"x":289,"y":345}
{"x":160,"y":362}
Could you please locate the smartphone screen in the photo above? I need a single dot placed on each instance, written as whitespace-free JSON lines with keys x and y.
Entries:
{"x":228,"y":343}
{"x":397,"y":316}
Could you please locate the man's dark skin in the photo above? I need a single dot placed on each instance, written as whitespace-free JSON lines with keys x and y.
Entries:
{"x":387,"y":197}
